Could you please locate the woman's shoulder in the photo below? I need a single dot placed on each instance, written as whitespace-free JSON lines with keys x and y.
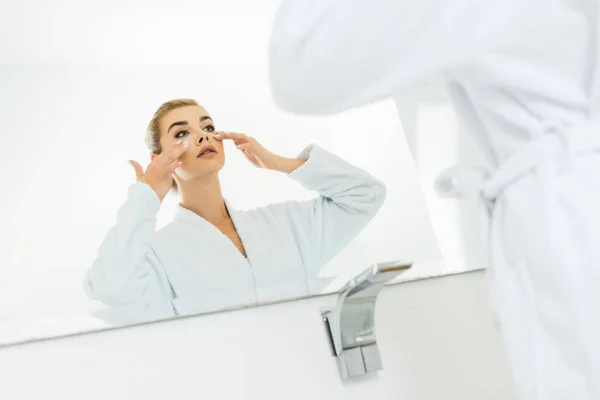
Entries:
{"x":168,"y":233}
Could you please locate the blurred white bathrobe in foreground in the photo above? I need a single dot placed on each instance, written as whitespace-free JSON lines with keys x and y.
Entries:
{"x":523,"y":76}
{"x":190,"y":267}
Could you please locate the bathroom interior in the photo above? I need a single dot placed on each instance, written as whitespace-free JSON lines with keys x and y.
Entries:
{"x":79,"y":83}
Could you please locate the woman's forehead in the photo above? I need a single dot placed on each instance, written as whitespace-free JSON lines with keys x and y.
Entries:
{"x":190,"y":112}
{"x":191,"y":115}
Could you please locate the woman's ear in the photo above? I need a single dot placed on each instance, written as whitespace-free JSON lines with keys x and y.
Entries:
{"x":153,"y":156}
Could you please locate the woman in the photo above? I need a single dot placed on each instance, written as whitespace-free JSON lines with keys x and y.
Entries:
{"x":212,"y":257}
{"x":524,"y":75}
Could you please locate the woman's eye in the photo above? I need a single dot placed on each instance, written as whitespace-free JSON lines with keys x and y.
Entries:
{"x":182,"y":133}
{"x":209,"y":128}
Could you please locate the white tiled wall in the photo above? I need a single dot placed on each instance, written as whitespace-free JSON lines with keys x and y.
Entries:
{"x":436,"y":338}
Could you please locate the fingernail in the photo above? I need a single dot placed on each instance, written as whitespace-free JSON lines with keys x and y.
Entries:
{"x":218,"y":135}
{"x":186,"y":143}
{"x":179,"y":141}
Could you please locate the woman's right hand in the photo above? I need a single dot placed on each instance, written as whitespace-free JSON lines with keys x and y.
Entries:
{"x":159,"y":174}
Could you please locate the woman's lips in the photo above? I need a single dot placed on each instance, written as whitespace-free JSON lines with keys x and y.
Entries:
{"x":207,"y":151}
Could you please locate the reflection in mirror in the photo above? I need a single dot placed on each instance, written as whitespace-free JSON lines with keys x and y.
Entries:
{"x":226,"y":203}
{"x":460,"y":223}
{"x":212,"y":256}
{"x":278,"y":207}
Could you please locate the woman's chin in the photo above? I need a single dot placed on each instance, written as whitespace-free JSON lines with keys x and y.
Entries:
{"x":209,"y":167}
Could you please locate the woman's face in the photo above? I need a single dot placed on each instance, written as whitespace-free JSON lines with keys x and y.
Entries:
{"x":205,"y":155}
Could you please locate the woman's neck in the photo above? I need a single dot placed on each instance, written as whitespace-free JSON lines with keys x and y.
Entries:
{"x":205,"y":199}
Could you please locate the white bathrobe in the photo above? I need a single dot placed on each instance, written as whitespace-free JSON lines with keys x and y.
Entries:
{"x":189,"y":266}
{"x":524,"y":76}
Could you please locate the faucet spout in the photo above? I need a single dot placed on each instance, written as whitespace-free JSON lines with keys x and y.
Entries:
{"x":350,"y":324}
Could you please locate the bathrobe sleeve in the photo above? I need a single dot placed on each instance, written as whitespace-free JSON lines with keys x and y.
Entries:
{"x":348,"y":199}
{"x":327,"y":56}
{"x":126,"y":271}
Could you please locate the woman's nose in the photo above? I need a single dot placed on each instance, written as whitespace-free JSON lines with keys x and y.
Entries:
{"x":201,"y":138}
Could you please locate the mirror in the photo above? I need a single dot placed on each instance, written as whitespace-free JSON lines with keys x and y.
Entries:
{"x":84,"y":246}
{"x":460,"y":224}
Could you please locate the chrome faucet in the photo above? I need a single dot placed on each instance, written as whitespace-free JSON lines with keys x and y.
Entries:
{"x":350,"y":325}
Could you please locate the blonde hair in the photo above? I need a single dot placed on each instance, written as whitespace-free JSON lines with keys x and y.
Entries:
{"x":152,"y":138}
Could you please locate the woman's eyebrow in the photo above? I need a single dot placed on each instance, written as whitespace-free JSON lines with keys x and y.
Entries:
{"x":178,"y":123}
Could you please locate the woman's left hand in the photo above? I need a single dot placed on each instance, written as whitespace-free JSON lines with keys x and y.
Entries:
{"x":258,"y":155}
{"x":254,"y":151}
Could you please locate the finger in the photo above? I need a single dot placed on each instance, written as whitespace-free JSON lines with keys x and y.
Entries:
{"x":176,"y":152}
{"x":244,"y":146}
{"x":256,"y":158}
{"x":240,"y":137}
{"x":247,"y":139}
{"x":139,"y":171}
{"x":219,"y":136}
{"x":174,"y":165}
{"x":253,"y":158}
{"x":250,"y":155}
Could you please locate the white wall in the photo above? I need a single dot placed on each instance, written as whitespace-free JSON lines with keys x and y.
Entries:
{"x":436,"y":338}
